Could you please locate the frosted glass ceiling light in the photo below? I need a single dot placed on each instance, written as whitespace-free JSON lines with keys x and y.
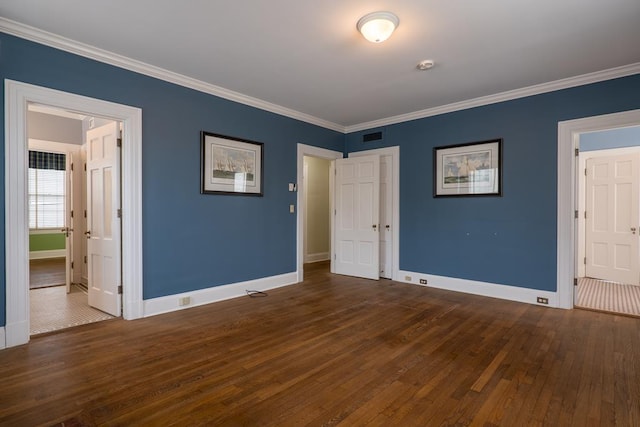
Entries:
{"x":378,"y":26}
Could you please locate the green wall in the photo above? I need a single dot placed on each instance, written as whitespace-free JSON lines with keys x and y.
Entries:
{"x":46,"y":242}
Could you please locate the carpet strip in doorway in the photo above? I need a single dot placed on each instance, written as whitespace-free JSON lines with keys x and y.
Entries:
{"x":608,"y":296}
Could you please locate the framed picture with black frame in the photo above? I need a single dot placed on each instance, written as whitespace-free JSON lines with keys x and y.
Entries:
{"x":230,"y":165}
{"x":471,"y":169}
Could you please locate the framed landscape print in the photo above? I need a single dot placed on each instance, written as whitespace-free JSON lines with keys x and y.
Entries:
{"x":230,"y":165}
{"x":473,"y":169}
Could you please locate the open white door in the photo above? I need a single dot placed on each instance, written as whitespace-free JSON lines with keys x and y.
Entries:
{"x":103,"y":224}
{"x":612,"y":219}
{"x":68,"y":226}
{"x":357,"y":193}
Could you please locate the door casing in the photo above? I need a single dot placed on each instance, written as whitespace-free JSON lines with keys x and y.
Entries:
{"x":17,"y":97}
{"x":567,"y":195}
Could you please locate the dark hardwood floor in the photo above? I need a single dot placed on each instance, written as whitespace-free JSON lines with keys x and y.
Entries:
{"x":334,"y":351}
{"x":46,"y":272}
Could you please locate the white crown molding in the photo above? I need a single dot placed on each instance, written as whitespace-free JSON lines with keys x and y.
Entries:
{"x":49,"y":39}
{"x":68,"y":45}
{"x":598,"y":76}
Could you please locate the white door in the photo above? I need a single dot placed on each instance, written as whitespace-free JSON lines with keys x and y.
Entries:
{"x":357,"y":194}
{"x":386,"y":216}
{"x":68,"y":227}
{"x":103,"y":224}
{"x":612,"y":219}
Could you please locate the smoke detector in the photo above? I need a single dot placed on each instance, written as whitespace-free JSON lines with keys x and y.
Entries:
{"x":425,"y":64}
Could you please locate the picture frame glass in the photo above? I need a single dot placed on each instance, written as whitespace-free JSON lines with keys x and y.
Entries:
{"x":231,"y":165}
{"x":468,"y":169}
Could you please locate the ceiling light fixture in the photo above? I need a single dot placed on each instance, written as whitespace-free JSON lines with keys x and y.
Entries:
{"x":378,"y":26}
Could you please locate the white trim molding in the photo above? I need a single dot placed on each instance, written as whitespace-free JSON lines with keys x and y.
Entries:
{"x":47,"y":254}
{"x":2,"y":338}
{"x":167,"y":304}
{"x":317,"y":257}
{"x":309,"y":150}
{"x":492,"y":290}
{"x":568,"y":141}
{"x":598,"y":76}
{"x":17,"y":97}
{"x":68,"y":45}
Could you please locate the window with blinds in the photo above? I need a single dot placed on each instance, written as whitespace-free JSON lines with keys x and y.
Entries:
{"x":46,"y":190}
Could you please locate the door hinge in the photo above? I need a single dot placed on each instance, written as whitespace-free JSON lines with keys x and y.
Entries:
{"x":119,"y":213}
{"x":120,"y":290}
{"x":71,"y":167}
{"x":585,"y":214}
{"x":585,"y":171}
{"x":71,"y":214}
{"x":85,"y":213}
{"x":72,"y":265}
{"x":577,"y":152}
{"x":575,"y":281}
{"x":335,"y":212}
{"x":85,"y":259}
{"x":576,"y":215}
{"x":585,"y":260}
{"x":85,"y":167}
{"x":119,"y":142}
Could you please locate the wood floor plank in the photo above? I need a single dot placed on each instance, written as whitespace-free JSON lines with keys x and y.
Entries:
{"x":333,"y":351}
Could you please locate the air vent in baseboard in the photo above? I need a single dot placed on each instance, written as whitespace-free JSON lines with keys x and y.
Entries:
{"x":375,"y":136}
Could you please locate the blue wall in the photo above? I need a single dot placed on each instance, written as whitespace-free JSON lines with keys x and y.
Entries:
{"x":508,"y":240}
{"x":608,"y":139}
{"x":190,"y":241}
{"x":193,"y":241}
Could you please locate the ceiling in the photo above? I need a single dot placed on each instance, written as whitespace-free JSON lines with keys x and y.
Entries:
{"x":307,"y":56}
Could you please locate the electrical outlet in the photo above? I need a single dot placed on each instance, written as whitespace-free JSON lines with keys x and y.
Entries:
{"x":407,"y":278}
{"x":184,"y":301}
{"x":423,"y":281}
{"x":542,"y":300}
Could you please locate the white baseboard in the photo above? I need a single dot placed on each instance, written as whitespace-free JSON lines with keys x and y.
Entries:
{"x":3,"y":340}
{"x":506,"y":292}
{"x":320,"y":256}
{"x":57,"y":253}
{"x":169,"y":303}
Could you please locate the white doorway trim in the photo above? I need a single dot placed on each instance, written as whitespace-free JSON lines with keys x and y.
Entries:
{"x":17,"y":97}
{"x":394,"y":152}
{"x":568,"y":141}
{"x":309,"y":150}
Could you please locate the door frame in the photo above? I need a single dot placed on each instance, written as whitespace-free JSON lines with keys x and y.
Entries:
{"x":394,"y":152}
{"x":17,"y":97}
{"x":323,"y":153}
{"x":567,"y":192}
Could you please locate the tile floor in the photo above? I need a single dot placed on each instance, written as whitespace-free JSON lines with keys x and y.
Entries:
{"x":608,"y":296}
{"x":53,"y":309}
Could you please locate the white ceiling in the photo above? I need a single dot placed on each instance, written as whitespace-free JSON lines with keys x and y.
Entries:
{"x":307,"y":56}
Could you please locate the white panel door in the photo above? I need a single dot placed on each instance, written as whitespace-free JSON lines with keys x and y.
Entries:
{"x":357,"y":194}
{"x":386,"y":216}
{"x":69,"y":226}
{"x":103,"y":224}
{"x":612,"y":219}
